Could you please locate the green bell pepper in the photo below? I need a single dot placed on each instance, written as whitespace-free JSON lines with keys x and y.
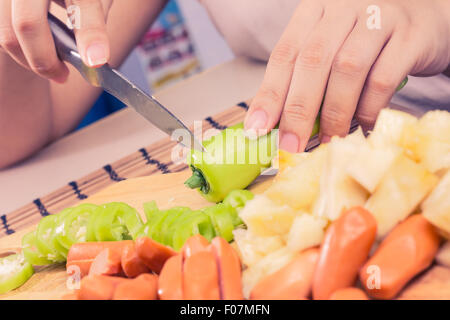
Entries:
{"x":15,"y":270}
{"x":231,"y":161}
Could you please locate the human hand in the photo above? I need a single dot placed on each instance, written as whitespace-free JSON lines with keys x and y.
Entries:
{"x":25,"y":34}
{"x":352,"y":55}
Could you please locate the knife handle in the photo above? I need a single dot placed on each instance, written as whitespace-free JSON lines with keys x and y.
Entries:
{"x":66,"y":48}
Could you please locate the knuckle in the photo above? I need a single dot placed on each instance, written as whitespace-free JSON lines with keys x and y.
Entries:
{"x":44,"y":68}
{"x":296,"y":112}
{"x":381,"y":85}
{"x":27,"y":24}
{"x":284,"y":53}
{"x":313,"y":55}
{"x":348,"y":64}
{"x":333,"y":118}
{"x":8,"y":40}
{"x":366,"y":119}
{"x":270,"y":95}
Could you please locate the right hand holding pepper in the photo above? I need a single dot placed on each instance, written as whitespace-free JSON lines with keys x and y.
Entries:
{"x":25,"y":34}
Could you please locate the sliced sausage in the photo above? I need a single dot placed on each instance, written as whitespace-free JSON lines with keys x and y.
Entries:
{"x":292,"y":282}
{"x":144,"y":287}
{"x":406,"y":251}
{"x":98,"y":287}
{"x":153,"y":254}
{"x":83,"y":254}
{"x":132,"y":265}
{"x":345,"y":248}
{"x":349,"y":294}
{"x":107,"y":262}
{"x":200,"y":277}
{"x":194,"y":244}
{"x":170,"y":282}
{"x":229,"y":269}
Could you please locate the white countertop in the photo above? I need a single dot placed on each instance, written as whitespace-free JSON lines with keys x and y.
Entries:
{"x":124,"y":132}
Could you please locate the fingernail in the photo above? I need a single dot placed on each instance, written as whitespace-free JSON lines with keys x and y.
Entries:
{"x":257,"y":120}
{"x":96,"y":54}
{"x":289,"y":142}
{"x":325,"y":139}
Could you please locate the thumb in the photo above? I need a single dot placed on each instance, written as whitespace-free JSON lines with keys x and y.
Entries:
{"x":90,"y":30}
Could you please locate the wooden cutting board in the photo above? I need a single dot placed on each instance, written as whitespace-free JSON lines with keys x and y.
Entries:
{"x":168,"y":191}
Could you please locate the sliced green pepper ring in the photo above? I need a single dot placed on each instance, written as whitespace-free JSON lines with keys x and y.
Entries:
{"x":221,"y":217}
{"x":44,"y":238}
{"x":150,"y":209}
{"x":117,"y":221}
{"x":166,"y":231}
{"x":15,"y":270}
{"x":155,"y":224}
{"x":194,"y":222}
{"x":73,"y":228}
{"x":238,"y":198}
{"x":92,"y":224}
{"x":59,"y":228}
{"x":30,"y":251}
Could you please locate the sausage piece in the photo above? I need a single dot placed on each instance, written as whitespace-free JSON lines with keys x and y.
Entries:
{"x":170,"y":282}
{"x":229,"y":269}
{"x":89,"y":250}
{"x":98,"y":287}
{"x":406,"y":251}
{"x":200,"y":277}
{"x":107,"y":262}
{"x":345,"y":248}
{"x":349,"y":294}
{"x":193,"y":245}
{"x":292,"y":282}
{"x":83,"y":254}
{"x":132,"y":265}
{"x":153,"y":254}
{"x":144,"y":287}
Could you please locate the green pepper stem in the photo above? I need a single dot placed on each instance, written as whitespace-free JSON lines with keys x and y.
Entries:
{"x":196,"y":180}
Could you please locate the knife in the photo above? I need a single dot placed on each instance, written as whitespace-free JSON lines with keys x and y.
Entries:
{"x":113,"y":82}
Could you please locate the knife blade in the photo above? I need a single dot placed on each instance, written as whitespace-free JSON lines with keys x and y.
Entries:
{"x":116,"y":84}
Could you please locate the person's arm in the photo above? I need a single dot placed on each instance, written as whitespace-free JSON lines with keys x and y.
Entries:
{"x":343,"y":59}
{"x":35,"y":111}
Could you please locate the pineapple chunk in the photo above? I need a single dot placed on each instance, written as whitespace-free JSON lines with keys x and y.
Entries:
{"x":266,"y":218}
{"x":436,"y":208}
{"x":306,"y":231}
{"x":428,"y":141}
{"x":268,"y":265}
{"x":253,"y":248}
{"x":389,"y":127}
{"x":399,"y":192}
{"x":338,"y":190}
{"x":286,"y":159}
{"x":371,"y":163}
{"x":298,"y":185}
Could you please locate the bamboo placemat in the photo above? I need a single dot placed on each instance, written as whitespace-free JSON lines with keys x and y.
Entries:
{"x":153,"y":159}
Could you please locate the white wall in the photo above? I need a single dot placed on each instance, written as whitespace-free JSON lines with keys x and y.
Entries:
{"x":210,"y":45}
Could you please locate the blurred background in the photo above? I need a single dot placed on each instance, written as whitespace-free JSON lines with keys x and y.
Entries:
{"x":182,"y":42}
